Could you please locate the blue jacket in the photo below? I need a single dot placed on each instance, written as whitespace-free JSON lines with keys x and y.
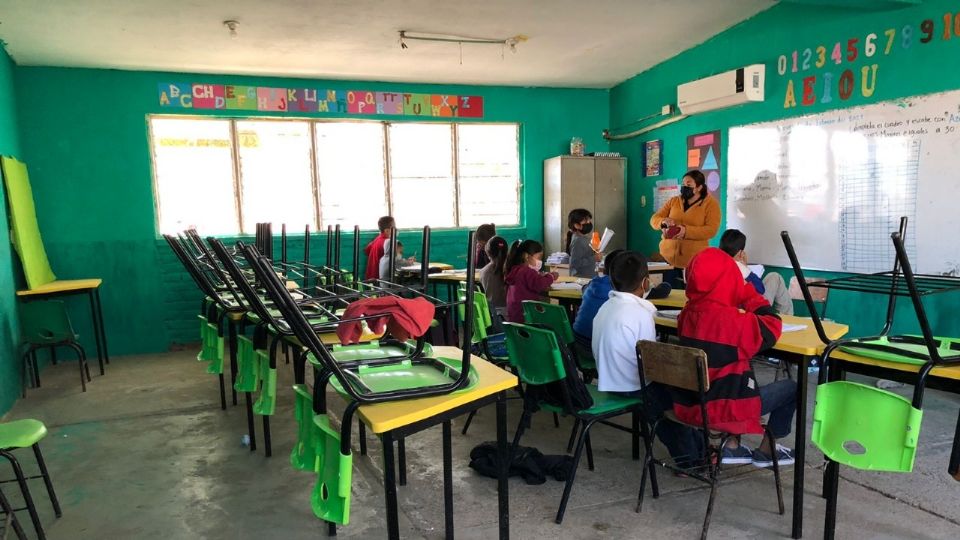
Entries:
{"x":594,"y":295}
{"x":757,"y":283}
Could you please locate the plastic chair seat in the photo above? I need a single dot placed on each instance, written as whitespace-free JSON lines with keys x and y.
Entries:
{"x":374,"y":350}
{"x":21,"y":433}
{"x":603,"y":403}
{"x":406,"y":375}
{"x":866,"y":428}
{"x":946,"y":347}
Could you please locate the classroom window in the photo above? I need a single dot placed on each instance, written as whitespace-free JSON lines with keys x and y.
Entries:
{"x":223,"y":176}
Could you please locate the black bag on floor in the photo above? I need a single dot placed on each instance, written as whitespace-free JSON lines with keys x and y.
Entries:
{"x":528,"y":463}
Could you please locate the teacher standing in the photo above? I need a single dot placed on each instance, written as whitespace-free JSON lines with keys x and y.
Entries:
{"x":688,"y":221}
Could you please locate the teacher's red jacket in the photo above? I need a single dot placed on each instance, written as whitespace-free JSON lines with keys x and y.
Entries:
{"x":712,"y":320}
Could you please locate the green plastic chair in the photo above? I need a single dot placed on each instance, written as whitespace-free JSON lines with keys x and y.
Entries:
{"x":865,"y":427}
{"x":555,"y":317}
{"x":303,"y":456}
{"x":266,"y":403}
{"x":27,"y":434}
{"x":248,"y":366}
{"x":331,"y":494}
{"x":46,"y":325}
{"x":482,"y":321}
{"x":540,"y":361}
{"x":318,"y":450}
{"x":211,"y":346}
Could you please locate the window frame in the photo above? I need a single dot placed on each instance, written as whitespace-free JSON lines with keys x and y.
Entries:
{"x":316,"y":180}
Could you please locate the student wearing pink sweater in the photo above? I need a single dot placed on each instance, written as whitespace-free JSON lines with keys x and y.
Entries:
{"x":523,"y":277}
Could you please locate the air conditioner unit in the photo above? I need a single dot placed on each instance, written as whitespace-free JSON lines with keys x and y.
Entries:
{"x":720,"y":91}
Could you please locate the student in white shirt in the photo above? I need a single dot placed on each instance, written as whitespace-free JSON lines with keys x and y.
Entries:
{"x":622,"y":321}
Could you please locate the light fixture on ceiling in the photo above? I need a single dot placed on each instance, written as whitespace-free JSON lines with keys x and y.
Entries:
{"x":232,"y":27}
{"x":413,"y":35}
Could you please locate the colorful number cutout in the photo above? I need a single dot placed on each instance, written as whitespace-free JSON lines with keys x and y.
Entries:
{"x":869,"y":46}
{"x":852,"y":51}
{"x":837,"y":56}
{"x":906,"y":37}
{"x":927,"y":28}
{"x":891,"y":33}
{"x":782,"y":64}
{"x":821,"y":56}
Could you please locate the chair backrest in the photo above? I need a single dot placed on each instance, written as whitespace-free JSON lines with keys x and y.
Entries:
{"x":673,"y":365}
{"x":818,"y":294}
{"x":481,"y":315}
{"x":552,"y":316}
{"x":45,"y":322}
{"x":535,"y":353}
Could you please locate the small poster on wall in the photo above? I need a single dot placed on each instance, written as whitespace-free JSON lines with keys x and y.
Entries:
{"x":703,"y":152}
{"x":654,"y":149}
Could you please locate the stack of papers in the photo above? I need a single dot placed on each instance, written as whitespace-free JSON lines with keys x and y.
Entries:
{"x":558,"y":258}
{"x":566,"y":285}
{"x":605,"y":240}
{"x":668,"y":313}
{"x":787,"y":327}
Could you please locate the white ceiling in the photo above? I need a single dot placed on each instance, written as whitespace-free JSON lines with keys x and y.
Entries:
{"x":576,"y":43}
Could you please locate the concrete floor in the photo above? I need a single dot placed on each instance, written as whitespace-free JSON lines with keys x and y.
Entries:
{"x":147,"y":453}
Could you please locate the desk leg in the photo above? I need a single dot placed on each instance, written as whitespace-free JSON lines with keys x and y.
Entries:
{"x":447,"y":483}
{"x":96,"y":328}
{"x":233,"y":360}
{"x":800,"y":446}
{"x":402,"y":461}
{"x":103,"y":331}
{"x":503,"y":499}
{"x":390,"y":487}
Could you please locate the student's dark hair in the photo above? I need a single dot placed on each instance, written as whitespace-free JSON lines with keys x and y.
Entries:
{"x":399,"y":243}
{"x":608,"y":260}
{"x":629,"y":271}
{"x":485,"y":232}
{"x":574,"y":217}
{"x":699,"y":179}
{"x":385,"y":223}
{"x":517,"y":250}
{"x":733,"y":241}
{"x":496,"y":249}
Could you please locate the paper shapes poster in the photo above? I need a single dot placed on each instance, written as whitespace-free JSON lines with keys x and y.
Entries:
{"x":703,"y":152}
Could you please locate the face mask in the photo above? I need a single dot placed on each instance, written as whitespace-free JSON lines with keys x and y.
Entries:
{"x":536,"y":264}
{"x":686,"y":192}
{"x":586,"y":228}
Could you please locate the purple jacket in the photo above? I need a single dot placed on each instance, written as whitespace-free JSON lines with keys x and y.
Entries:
{"x":524,"y":283}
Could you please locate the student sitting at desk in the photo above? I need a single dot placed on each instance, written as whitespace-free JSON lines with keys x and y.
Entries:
{"x":595,"y":294}
{"x":374,"y":249}
{"x":491,"y":275}
{"x":583,"y":259}
{"x":725,"y":317}
{"x":524,"y":279}
{"x":772,"y":286}
{"x":621,"y":322}
{"x":484,"y":233}
{"x":398,"y":260}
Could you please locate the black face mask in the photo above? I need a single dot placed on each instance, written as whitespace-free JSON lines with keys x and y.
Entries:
{"x":586,"y":228}
{"x":686,"y":192}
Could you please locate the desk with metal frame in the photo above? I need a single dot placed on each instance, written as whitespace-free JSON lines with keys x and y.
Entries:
{"x":69,"y":287}
{"x":396,"y":420}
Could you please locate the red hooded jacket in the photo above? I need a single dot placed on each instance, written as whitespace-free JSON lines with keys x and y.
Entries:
{"x":374,"y":251}
{"x":712,"y":321}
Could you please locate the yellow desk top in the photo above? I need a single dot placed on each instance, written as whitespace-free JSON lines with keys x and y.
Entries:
{"x":951,"y":372}
{"x":382,"y":417}
{"x":804,"y":342}
{"x":415,"y":268}
{"x":677,"y":298}
{"x":63,"y":285}
{"x":462,"y":276}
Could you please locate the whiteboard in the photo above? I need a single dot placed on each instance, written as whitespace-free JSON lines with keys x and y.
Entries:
{"x":840,"y":180}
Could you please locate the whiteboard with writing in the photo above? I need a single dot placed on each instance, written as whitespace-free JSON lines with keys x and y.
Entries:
{"x":840,"y":180}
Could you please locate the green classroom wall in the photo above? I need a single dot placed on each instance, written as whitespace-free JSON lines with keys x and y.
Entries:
{"x":920,"y":69}
{"x":89,"y":161}
{"x":9,"y":326}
